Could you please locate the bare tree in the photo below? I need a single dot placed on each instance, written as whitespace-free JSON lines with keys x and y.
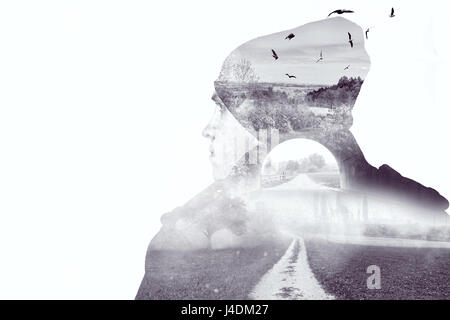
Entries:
{"x":238,"y":70}
{"x":244,"y":72}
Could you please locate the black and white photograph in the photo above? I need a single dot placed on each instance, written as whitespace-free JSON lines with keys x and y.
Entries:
{"x":208,"y":151}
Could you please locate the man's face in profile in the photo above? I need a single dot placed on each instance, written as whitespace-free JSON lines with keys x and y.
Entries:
{"x":227,"y":139}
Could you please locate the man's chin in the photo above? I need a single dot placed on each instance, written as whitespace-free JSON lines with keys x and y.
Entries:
{"x":219,"y":172}
{"x":217,"y":175}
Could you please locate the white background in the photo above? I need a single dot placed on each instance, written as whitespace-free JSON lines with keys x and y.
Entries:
{"x":102,"y":104}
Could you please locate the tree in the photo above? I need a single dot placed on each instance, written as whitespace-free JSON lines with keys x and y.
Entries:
{"x":303,"y":165}
{"x":317,"y":161}
{"x":244,"y":72}
{"x":292,"y":166}
{"x":344,"y":92}
{"x":225,"y":212}
{"x":237,"y":69}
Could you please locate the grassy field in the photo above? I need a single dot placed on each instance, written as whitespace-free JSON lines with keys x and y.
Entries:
{"x":406,"y":273}
{"x":208,"y":274}
{"x":329,"y":179}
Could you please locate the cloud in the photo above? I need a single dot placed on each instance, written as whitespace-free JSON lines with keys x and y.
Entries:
{"x":300,"y":54}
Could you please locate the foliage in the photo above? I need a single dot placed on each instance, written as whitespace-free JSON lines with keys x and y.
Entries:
{"x":292,"y":166}
{"x":344,"y":92}
{"x":267,"y":107}
{"x":224,"y":212}
{"x":282,"y":116}
{"x":314,"y":163}
{"x":317,"y":161}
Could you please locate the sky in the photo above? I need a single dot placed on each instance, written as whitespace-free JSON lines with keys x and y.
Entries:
{"x":297,"y":149}
{"x":298,"y":56}
{"x":108,"y":67}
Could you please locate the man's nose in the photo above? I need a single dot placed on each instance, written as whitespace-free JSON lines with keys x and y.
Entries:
{"x":208,"y":131}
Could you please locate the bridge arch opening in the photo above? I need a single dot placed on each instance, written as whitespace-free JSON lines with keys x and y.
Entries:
{"x":305,"y":161}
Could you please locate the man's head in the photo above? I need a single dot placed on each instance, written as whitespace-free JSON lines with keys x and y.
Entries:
{"x":280,"y":82}
{"x":291,"y":84}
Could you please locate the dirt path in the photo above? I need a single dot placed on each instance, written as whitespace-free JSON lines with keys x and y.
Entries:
{"x":290,"y":278}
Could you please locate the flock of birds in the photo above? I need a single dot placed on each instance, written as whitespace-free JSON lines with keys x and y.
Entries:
{"x":350,"y":40}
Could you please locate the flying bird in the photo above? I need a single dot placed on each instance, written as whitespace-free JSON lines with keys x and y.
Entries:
{"x":321,"y":57}
{"x":290,"y":76}
{"x":367,"y":33}
{"x":350,"y":39}
{"x":274,"y":54}
{"x":392,"y":13}
{"x":290,"y":36}
{"x":346,"y":68}
{"x":341,"y":11}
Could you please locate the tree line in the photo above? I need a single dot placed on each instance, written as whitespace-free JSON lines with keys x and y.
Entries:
{"x":344,"y":92}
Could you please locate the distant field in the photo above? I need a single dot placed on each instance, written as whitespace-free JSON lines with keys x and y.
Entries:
{"x":406,"y":273}
{"x":329,"y":179}
{"x":208,"y":274}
